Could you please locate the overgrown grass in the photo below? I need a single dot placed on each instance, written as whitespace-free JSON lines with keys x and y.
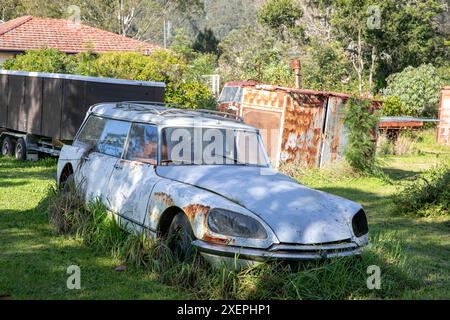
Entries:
{"x":411,"y":251}
{"x":427,"y":195}
{"x":34,"y":260}
{"x":340,"y":278}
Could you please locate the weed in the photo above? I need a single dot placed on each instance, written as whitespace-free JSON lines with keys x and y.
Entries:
{"x":428,"y":195}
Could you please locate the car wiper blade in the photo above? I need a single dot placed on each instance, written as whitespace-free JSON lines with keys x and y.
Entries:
{"x":236,"y":161}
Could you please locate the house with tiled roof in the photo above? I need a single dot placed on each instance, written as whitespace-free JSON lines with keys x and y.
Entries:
{"x":31,"y":33}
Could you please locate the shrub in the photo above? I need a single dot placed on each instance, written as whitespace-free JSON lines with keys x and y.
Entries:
{"x":360,"y":123}
{"x":44,"y":60}
{"x":427,"y":195}
{"x":417,"y":89}
{"x":392,"y":106}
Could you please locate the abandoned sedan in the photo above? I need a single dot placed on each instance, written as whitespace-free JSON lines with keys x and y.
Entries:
{"x":206,"y":178}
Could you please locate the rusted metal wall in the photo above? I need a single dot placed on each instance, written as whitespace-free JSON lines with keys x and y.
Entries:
{"x":443,"y":134}
{"x":296,"y":126}
{"x":335,"y":134}
{"x":302,"y":132}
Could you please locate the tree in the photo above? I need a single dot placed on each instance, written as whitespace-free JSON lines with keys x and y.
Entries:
{"x":282,"y":17}
{"x":417,"y":89}
{"x":386,"y":36}
{"x":206,"y":42}
{"x":325,"y":66}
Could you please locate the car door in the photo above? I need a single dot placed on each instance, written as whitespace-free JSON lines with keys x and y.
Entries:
{"x":134,"y":176}
{"x":98,"y":161}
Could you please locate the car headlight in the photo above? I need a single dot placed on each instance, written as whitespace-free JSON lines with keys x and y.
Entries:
{"x":359,"y":223}
{"x":234,"y":224}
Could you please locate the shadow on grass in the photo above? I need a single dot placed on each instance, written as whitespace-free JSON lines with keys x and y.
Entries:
{"x":399,"y":174}
{"x":34,"y":264}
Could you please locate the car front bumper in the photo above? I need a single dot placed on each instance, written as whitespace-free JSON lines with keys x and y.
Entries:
{"x":216,"y":253}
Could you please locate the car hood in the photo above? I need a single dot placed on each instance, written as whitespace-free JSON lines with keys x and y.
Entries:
{"x":297,"y":214}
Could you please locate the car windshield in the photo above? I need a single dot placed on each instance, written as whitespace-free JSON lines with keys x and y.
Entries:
{"x":212,"y":146}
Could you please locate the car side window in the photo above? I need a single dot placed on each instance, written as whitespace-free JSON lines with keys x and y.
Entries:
{"x":90,"y":134}
{"x":113,"y":137}
{"x":143,"y":144}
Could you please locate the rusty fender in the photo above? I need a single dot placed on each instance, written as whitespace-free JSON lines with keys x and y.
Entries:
{"x":195,"y":203}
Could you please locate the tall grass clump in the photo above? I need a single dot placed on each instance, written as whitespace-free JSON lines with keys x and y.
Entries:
{"x":428,"y":195}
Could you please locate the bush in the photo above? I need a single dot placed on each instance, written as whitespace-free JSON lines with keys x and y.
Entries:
{"x":417,"y":89}
{"x":45,"y":60}
{"x":392,"y":106}
{"x":427,"y":195}
{"x":361,"y":124}
{"x":183,"y":85}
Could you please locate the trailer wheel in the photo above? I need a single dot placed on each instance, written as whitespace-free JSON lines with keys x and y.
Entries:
{"x":8,"y":146}
{"x":21,"y":149}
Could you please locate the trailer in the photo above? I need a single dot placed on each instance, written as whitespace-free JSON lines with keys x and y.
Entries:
{"x":40,"y":112}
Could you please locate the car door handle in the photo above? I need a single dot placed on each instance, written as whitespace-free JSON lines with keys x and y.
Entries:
{"x":86,"y":159}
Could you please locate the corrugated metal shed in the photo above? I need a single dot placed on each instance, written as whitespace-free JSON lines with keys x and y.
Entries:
{"x":297,"y":125}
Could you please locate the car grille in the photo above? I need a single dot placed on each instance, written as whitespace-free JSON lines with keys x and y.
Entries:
{"x":319,"y":248}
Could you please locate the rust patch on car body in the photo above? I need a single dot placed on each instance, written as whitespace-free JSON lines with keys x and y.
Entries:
{"x":209,"y":238}
{"x":164,"y":198}
{"x":193,"y":210}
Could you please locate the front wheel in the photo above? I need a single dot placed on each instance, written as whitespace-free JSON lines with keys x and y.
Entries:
{"x":180,"y":237}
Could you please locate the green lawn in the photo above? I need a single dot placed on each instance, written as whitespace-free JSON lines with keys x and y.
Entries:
{"x":33,"y":260}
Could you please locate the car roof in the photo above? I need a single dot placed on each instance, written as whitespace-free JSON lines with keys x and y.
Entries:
{"x":166,"y":115}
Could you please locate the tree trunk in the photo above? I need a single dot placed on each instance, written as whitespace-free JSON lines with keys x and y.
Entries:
{"x":372,"y":70}
{"x":360,"y":64}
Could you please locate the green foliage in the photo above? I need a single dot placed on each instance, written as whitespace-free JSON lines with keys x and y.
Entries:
{"x":127,"y":65}
{"x":407,"y":34}
{"x":183,"y":81}
{"x":326,"y":67}
{"x":206,"y":42}
{"x":199,"y":66}
{"x":427,"y":195}
{"x":281,"y":16}
{"x":360,"y":123}
{"x":45,"y":60}
{"x":444,"y":75}
{"x":417,"y":89}
{"x":248,"y":49}
{"x":392,"y":106}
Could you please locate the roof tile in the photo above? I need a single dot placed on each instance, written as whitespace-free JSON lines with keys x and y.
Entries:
{"x":30,"y":33}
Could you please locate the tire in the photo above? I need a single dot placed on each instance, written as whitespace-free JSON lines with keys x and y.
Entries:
{"x":21,"y":150}
{"x":180,"y":237}
{"x":8,"y":147}
{"x":68,"y":185}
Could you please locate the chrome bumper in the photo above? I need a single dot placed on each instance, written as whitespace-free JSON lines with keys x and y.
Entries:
{"x":284,"y":252}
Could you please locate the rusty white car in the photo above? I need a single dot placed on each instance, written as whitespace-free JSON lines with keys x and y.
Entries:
{"x":207,"y":178}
